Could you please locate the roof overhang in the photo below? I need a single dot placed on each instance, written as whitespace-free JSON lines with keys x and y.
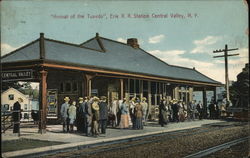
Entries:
{"x":118,"y":73}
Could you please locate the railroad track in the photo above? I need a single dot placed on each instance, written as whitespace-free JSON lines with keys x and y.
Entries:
{"x":214,"y":149}
{"x":132,"y":142}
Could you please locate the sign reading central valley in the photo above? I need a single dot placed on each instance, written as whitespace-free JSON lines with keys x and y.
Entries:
{"x":17,"y":75}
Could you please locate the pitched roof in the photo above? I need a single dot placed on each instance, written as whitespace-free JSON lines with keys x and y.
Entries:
{"x":107,"y":54}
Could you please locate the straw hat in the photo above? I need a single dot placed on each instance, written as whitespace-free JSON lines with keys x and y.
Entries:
{"x":95,"y":98}
{"x":66,"y":99}
{"x":144,"y":99}
{"x":103,"y":98}
{"x":80,"y":98}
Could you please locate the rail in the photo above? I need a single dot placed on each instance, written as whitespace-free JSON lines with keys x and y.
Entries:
{"x":214,"y":149}
{"x":131,"y":142}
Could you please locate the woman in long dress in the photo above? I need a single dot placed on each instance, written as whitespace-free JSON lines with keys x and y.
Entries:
{"x":124,"y":123}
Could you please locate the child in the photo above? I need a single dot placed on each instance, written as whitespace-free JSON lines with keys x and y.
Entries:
{"x":72,"y":115}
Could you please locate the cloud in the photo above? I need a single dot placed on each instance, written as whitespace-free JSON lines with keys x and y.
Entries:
{"x":6,"y":48}
{"x":202,"y":46}
{"x":121,"y":40}
{"x":242,"y":58}
{"x":174,"y":57}
{"x":156,"y":39}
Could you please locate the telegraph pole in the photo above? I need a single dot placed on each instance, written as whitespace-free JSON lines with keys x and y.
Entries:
{"x":226,"y":55}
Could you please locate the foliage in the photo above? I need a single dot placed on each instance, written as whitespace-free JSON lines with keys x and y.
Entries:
{"x":239,"y":91}
{"x":24,"y":87}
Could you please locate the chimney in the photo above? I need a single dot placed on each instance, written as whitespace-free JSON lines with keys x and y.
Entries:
{"x":133,"y":42}
{"x":42,"y":48}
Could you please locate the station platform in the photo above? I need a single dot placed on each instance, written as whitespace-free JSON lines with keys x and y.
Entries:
{"x":76,"y":140}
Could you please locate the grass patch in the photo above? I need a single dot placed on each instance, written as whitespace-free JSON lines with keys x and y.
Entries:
{"x":22,"y":143}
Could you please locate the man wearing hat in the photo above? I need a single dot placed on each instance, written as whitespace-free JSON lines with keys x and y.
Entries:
{"x":86,"y":112}
{"x":64,"y":114}
{"x":175,"y":111}
{"x":95,"y":116}
{"x":103,"y":110}
{"x":16,"y":115}
{"x":144,"y":109}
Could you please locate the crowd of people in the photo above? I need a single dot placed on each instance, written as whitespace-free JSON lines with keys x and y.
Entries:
{"x":177,"y":110}
{"x":95,"y":113}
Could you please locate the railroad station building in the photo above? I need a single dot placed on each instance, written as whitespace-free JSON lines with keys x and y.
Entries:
{"x":101,"y":67}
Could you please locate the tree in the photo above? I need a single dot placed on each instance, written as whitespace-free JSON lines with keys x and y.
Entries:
{"x":240,"y":90}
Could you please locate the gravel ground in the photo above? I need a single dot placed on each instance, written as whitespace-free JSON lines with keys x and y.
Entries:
{"x":174,"y":146}
{"x":241,"y":150}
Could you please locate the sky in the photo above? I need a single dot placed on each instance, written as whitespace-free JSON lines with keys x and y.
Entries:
{"x":182,"y":33}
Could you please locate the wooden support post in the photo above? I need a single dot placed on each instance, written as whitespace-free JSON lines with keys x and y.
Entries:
{"x":215,"y":96}
{"x":176,"y":93}
{"x":128,"y":90}
{"x":149,"y":93}
{"x":88,"y":84}
{"x":191,"y":94}
{"x":186,"y":95}
{"x":43,"y":101}
{"x":121,"y":88}
{"x":204,"y":94}
{"x":141,"y":89}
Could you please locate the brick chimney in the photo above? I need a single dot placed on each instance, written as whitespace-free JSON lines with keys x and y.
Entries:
{"x":133,"y":42}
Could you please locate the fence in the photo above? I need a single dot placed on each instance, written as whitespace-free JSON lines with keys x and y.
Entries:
{"x":7,"y":121}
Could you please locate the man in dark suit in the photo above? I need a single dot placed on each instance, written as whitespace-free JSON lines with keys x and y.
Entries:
{"x":16,"y":115}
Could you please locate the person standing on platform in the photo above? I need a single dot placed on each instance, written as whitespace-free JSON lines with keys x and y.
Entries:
{"x":138,"y":115}
{"x":124,"y":114}
{"x":114,"y":110}
{"x":132,"y":111}
{"x":163,"y":115}
{"x":84,"y":110}
{"x":95,"y":116}
{"x":200,"y":110}
{"x":79,"y":118}
{"x":175,"y":111}
{"x":64,"y":114}
{"x":181,"y":111}
{"x":170,"y":111}
{"x":211,"y":108}
{"x":148,"y":112}
{"x":72,"y":115}
{"x":192,"y":110}
{"x":118,"y":114}
{"x":90,"y":116}
{"x":16,"y":115}
{"x":145,"y":109}
{"x":103,"y":109}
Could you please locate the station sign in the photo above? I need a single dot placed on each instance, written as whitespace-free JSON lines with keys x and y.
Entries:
{"x":17,"y":75}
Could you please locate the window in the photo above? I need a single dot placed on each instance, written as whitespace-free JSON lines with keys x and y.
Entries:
{"x":137,"y":86}
{"x":68,"y":87}
{"x":132,"y":86}
{"x":6,"y":107}
{"x":75,"y":85}
{"x":25,"y":107}
{"x":11,"y":96}
{"x":145,"y":86}
{"x":26,"y":116}
{"x":61,"y":87}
